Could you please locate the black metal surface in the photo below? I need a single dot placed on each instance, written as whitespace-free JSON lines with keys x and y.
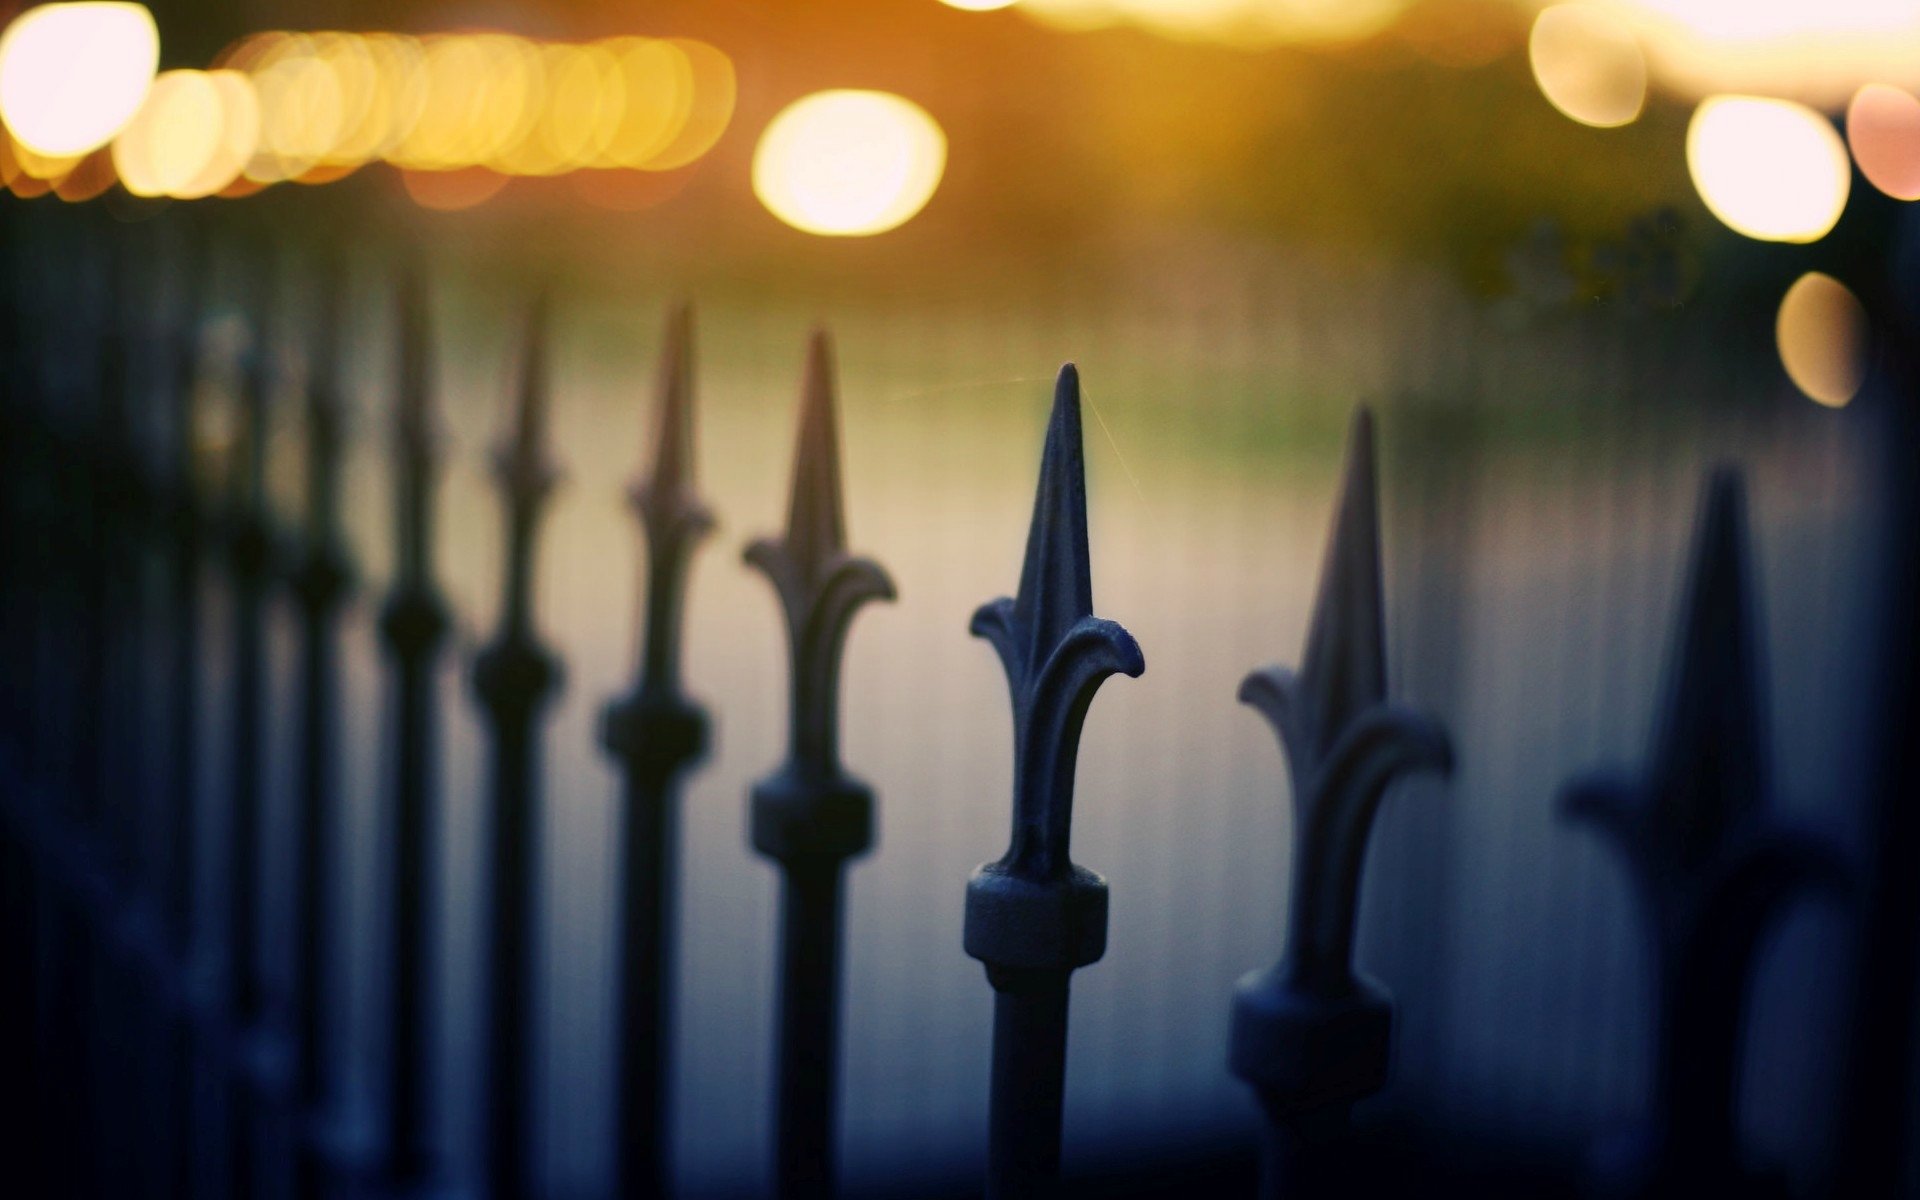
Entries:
{"x":810,"y":816}
{"x":515,"y":678}
{"x":1033,"y":917}
{"x":249,"y":568}
{"x":1311,"y":1035}
{"x":1712,"y":871}
{"x":656,"y":733}
{"x":320,"y":583}
{"x":413,"y":624}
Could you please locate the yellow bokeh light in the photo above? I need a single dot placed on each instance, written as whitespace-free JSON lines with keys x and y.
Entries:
{"x":174,"y":136}
{"x":849,"y":163}
{"x":979,"y":5}
{"x":1770,"y":169}
{"x":1588,"y":65}
{"x":1822,"y":335}
{"x":709,"y":101}
{"x":1240,"y":22}
{"x":72,"y":75}
{"x":1883,"y":128}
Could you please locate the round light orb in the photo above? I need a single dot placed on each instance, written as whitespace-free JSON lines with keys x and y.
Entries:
{"x":1821,"y":332}
{"x":1588,"y":65}
{"x":849,"y":163}
{"x":980,"y":5}
{"x":175,"y":135}
{"x":1883,"y":128}
{"x":73,"y":75}
{"x":1770,"y":169}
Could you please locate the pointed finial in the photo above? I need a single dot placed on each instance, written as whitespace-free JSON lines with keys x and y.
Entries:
{"x":1711,"y":871}
{"x":672,"y":513}
{"x":1343,"y":668}
{"x":666,"y":498}
{"x":816,"y":530}
{"x":413,"y":408}
{"x":1311,"y":1032}
{"x":820,"y":585}
{"x":522,"y":463}
{"x":1056,"y":654}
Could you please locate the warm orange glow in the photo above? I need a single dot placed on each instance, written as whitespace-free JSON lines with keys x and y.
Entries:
{"x":1588,"y":64}
{"x":451,"y":191}
{"x":1883,"y":129}
{"x":1770,"y":169}
{"x":1241,"y":22}
{"x":709,"y":101}
{"x":1822,"y":335}
{"x":72,"y":75}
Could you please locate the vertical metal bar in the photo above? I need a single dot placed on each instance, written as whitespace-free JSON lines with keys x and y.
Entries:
{"x":413,"y":624}
{"x":1028,"y":1085}
{"x":656,"y":733}
{"x":249,"y":559}
{"x":809,"y":1041}
{"x":185,"y":517}
{"x":810,"y":816}
{"x":514,"y":679}
{"x":1033,"y":917}
{"x":320,"y":585}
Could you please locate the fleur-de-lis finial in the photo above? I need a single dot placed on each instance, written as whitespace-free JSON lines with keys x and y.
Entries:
{"x":1711,"y":871}
{"x":820,"y":585}
{"x":1056,"y":654}
{"x":1032,"y":916}
{"x":1311,"y":1033}
{"x":670,"y":509}
{"x":810,"y":815}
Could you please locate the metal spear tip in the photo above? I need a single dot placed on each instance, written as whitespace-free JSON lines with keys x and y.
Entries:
{"x":820,"y":584}
{"x":1343,"y":666}
{"x":665,"y":499}
{"x":522,"y":463}
{"x":1710,"y":744}
{"x":816,"y":522}
{"x":416,"y":355}
{"x":1708,"y":777}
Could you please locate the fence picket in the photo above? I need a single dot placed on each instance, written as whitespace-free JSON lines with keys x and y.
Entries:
{"x":515,"y":678}
{"x":1033,"y":917}
{"x":1711,"y":870}
{"x":656,"y":733}
{"x":810,"y":816}
{"x":1310,"y":1034}
{"x":413,"y":624}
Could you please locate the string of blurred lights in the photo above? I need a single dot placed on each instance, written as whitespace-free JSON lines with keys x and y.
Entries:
{"x":459,"y":114}
{"x":84,"y":108}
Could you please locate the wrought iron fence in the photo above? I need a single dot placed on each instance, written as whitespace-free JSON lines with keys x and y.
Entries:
{"x":183,"y":1022}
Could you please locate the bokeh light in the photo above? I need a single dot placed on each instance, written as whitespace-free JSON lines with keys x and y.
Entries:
{"x":72,"y":75}
{"x":1770,"y":169}
{"x":1822,"y":335}
{"x":1883,"y":129}
{"x":979,"y":5}
{"x":849,"y":163}
{"x":1588,"y":64}
{"x":175,"y":135}
{"x":1238,"y":22}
